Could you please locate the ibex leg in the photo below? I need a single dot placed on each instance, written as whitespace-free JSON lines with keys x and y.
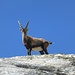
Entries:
{"x":46,"y":51}
{"x":29,"y":51}
{"x":41,"y":52}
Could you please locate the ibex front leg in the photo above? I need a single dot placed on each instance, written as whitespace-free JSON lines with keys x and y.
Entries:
{"x":29,"y":51}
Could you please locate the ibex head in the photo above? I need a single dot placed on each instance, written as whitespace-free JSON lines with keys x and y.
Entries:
{"x":23,"y":30}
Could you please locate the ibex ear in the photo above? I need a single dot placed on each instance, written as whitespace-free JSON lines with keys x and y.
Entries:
{"x":27,"y":25}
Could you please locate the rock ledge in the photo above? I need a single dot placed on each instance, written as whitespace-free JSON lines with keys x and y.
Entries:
{"x":53,"y":64}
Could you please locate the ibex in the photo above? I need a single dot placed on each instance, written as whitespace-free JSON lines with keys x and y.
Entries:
{"x":36,"y":44}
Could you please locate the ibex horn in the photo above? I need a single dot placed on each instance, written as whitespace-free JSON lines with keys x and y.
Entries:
{"x":27,"y":24}
{"x":20,"y":24}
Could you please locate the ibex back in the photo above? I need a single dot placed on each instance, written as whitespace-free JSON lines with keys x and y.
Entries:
{"x":36,"y":44}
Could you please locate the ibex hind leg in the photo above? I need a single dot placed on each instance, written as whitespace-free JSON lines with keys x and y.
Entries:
{"x":46,"y":51}
{"x":41,"y":52}
{"x":45,"y":45}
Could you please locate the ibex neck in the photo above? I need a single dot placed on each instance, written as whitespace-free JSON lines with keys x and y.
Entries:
{"x":24,"y":38}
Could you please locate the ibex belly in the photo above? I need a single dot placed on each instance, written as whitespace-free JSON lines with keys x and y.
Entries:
{"x":37,"y":49}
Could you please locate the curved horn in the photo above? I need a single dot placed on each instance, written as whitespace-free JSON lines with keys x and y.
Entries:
{"x":20,"y":24}
{"x":27,"y":24}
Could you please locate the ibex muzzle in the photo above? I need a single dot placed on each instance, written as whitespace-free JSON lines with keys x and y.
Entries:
{"x":36,"y":44}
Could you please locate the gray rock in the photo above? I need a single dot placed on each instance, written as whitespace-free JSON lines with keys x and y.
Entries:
{"x":54,"y":64}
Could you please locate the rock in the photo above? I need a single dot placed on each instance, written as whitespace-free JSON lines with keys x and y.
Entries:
{"x":53,"y":64}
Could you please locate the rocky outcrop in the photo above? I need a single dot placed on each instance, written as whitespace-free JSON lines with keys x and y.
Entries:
{"x":54,"y":64}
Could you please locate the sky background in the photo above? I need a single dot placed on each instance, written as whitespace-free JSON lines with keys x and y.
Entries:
{"x":53,"y":20}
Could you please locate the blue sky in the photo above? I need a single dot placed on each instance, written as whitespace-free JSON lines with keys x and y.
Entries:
{"x":53,"y":20}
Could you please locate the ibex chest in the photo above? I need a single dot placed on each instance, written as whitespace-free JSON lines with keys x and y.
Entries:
{"x":24,"y":39}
